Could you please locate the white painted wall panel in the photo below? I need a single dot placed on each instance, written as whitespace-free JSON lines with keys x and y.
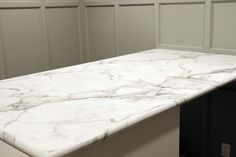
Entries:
{"x":224,"y":25}
{"x":33,"y":29}
{"x":101,"y":32}
{"x":23,"y":41}
{"x":63,"y":36}
{"x":182,"y":24}
{"x":136,"y":28}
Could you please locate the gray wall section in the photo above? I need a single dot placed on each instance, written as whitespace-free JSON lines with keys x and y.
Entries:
{"x":22,"y":41}
{"x":38,"y":35}
{"x":136,"y":28}
{"x":182,"y":25}
{"x":101,"y":32}
{"x":63,"y":36}
{"x":41,"y":35}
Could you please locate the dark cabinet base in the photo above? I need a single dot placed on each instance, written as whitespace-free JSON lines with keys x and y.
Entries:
{"x":207,"y":122}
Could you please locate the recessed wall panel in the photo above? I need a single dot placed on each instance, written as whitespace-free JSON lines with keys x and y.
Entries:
{"x":136,"y":28}
{"x":182,"y":24}
{"x":224,"y":25}
{"x":23,"y":41}
{"x":63,"y":36}
{"x":101,"y":32}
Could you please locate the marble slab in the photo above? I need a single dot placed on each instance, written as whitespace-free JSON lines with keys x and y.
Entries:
{"x":54,"y":113}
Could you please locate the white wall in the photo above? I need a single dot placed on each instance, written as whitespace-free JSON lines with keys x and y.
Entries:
{"x":200,"y":25}
{"x":38,"y":35}
{"x":41,"y":35}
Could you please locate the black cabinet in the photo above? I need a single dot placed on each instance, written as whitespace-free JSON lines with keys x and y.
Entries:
{"x":207,"y":122}
{"x":222,"y":118}
{"x":193,"y":128}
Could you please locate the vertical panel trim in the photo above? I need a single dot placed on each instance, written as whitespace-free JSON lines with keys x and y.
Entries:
{"x":156,"y":24}
{"x":211,"y":31}
{"x":80,"y":34}
{"x":117,"y":27}
{"x":182,"y":47}
{"x":87,"y":34}
{"x":159,"y":16}
{"x":207,"y":26}
{"x":45,"y":34}
{"x":211,"y":24}
{"x":3,"y":53}
{"x":83,"y":34}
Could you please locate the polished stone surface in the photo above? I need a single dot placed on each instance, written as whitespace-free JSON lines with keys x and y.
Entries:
{"x":53,"y":113}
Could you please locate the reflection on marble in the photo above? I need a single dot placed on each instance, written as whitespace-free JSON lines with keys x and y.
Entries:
{"x":53,"y":113}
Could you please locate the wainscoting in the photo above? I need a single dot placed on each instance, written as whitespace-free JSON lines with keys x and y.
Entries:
{"x":42,"y":35}
{"x":38,"y":35}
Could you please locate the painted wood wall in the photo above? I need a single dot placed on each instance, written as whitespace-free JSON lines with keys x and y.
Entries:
{"x":38,"y":35}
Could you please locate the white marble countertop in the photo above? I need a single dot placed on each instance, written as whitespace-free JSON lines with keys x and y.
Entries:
{"x":53,"y":113}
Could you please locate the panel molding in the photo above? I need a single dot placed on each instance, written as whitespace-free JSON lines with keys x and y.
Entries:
{"x":45,"y":33}
{"x":156,"y":24}
{"x":22,"y":4}
{"x":223,"y":51}
{"x":117,"y":32}
{"x":42,"y":5}
{"x":62,"y":4}
{"x":208,"y":21}
{"x":207,"y":26}
{"x":95,"y":4}
{"x":137,"y":27}
{"x":211,"y":12}
{"x":64,"y":38}
{"x":80,"y":33}
{"x":23,"y":41}
{"x":181,"y":46}
{"x":162,"y":2}
{"x":212,"y":16}
{"x":83,"y":31}
{"x":86,"y":35}
{"x":47,"y":4}
{"x":3,"y":70}
{"x":100,"y":5}
{"x":136,"y":2}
